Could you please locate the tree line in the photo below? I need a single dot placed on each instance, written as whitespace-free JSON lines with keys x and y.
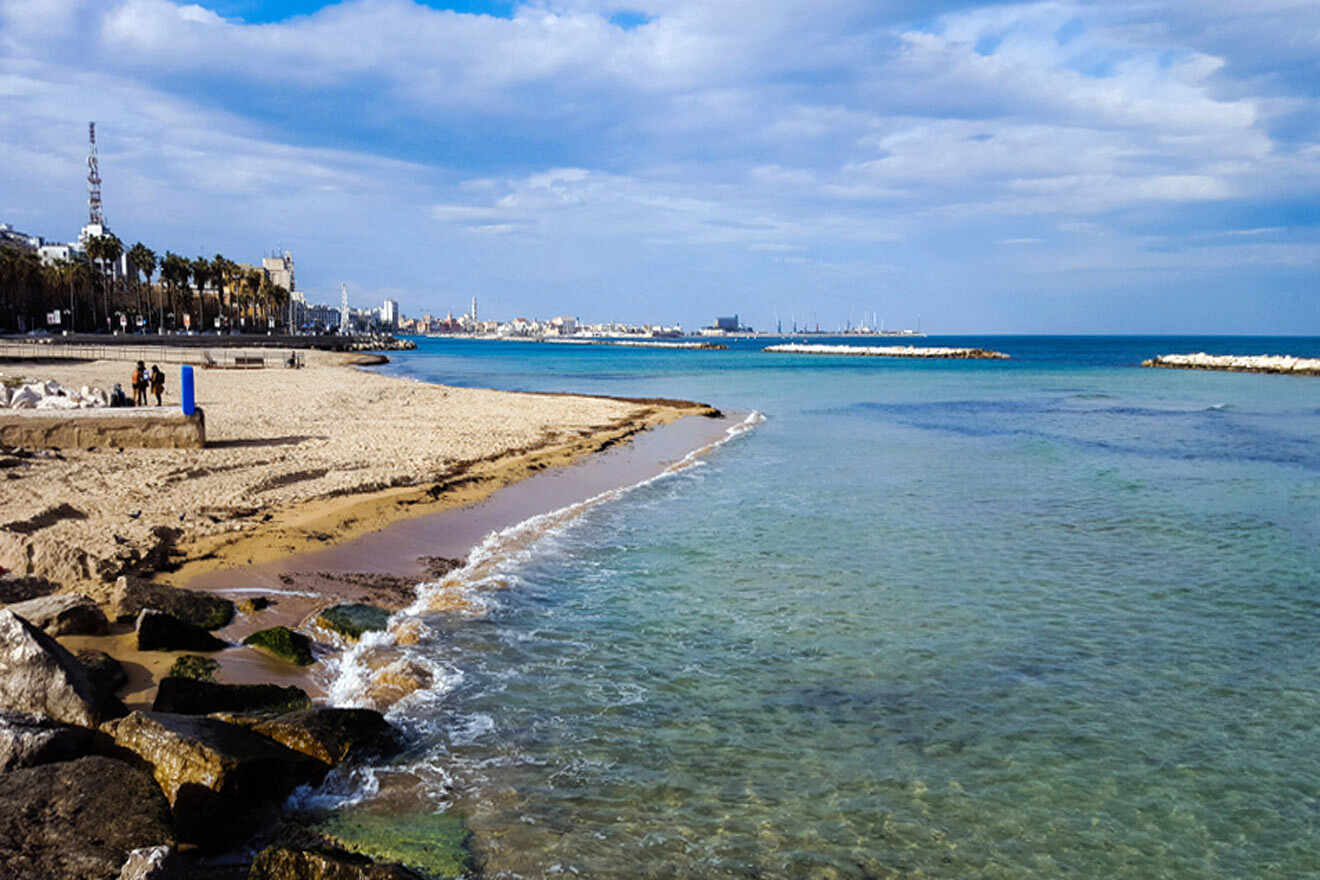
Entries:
{"x":91,"y":297}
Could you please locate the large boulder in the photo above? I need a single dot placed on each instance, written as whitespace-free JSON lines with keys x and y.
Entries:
{"x":39,"y":677}
{"x":218,"y":778}
{"x":132,"y":594}
{"x":26,"y":741}
{"x":191,"y":696}
{"x":352,"y":620}
{"x":63,"y":614}
{"x":282,"y":863}
{"x":332,"y":735}
{"x":78,"y":820}
{"x":158,"y":631}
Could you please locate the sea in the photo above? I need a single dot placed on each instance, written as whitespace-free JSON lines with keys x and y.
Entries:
{"x":1054,"y":616}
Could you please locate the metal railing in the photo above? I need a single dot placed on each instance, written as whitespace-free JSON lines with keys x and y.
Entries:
{"x":154,"y":354}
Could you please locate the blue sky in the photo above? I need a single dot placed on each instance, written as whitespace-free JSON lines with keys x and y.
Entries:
{"x":1126,"y":166}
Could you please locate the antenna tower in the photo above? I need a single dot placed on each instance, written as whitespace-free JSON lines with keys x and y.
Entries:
{"x":94,"y":215}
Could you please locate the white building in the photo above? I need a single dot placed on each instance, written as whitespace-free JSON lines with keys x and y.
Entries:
{"x":389,"y":313}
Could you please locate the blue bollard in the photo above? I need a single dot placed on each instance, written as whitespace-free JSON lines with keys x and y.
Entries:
{"x":186,"y":389}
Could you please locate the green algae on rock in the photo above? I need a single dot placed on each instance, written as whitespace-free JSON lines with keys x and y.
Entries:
{"x":194,"y":666}
{"x":352,"y":620}
{"x":435,"y":844}
{"x":284,"y":643}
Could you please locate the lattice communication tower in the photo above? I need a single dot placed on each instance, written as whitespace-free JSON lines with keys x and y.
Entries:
{"x":94,"y":214}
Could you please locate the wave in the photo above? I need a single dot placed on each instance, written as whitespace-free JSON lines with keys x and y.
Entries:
{"x":355,"y":676}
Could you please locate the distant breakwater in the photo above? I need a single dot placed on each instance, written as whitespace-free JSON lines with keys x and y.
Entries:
{"x":903,"y":351}
{"x":1258,"y":363}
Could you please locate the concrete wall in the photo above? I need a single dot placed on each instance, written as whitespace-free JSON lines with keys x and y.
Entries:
{"x":129,"y":428}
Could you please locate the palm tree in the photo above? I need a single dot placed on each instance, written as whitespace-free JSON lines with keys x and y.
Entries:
{"x":223,"y":273}
{"x":174,"y":271}
{"x":103,"y":249}
{"x":252,"y":279}
{"x":143,"y":260}
{"x":202,"y":275}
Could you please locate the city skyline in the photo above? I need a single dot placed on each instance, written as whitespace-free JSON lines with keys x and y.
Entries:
{"x":1040,"y":167}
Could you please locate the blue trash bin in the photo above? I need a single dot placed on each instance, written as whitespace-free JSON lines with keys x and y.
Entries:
{"x":186,"y":389}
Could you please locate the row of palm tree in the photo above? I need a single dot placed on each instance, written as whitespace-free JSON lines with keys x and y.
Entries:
{"x":91,"y":296}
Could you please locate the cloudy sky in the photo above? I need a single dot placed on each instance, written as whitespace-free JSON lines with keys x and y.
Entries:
{"x":1125,"y":166}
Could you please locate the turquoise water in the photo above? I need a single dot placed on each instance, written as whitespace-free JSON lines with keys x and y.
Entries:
{"x":1051,"y":617}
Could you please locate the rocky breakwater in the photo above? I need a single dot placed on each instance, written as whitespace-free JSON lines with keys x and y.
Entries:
{"x":89,"y":790}
{"x":1256,"y":363}
{"x":899,"y":351}
{"x":377,"y":342}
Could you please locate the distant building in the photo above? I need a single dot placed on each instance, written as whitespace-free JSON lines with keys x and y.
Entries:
{"x":280,"y":270}
{"x":730,"y":324}
{"x":53,"y":253}
{"x":389,"y":313}
{"x":12,"y":237}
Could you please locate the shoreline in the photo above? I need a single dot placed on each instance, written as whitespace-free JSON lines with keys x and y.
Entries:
{"x":305,"y":509}
{"x":299,"y":533}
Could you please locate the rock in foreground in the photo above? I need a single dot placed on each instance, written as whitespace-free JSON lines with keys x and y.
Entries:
{"x":158,"y":631}
{"x":26,"y":741}
{"x":133,"y":594}
{"x":332,"y":735}
{"x":218,"y":778}
{"x":39,"y":677}
{"x":191,"y":696}
{"x":78,"y":820}
{"x":280,"y":863}
{"x":63,"y":614}
{"x":107,"y":673}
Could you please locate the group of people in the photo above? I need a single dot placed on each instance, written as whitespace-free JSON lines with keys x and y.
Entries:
{"x":140,"y":381}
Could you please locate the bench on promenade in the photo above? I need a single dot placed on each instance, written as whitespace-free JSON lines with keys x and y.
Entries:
{"x":249,"y":361}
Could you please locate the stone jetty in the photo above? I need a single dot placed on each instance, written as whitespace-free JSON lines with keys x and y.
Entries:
{"x":1256,"y":363}
{"x":902,"y":351}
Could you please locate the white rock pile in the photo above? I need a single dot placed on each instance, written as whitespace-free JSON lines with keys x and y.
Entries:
{"x":909,"y":351}
{"x":1254,"y":363}
{"x":51,"y":395}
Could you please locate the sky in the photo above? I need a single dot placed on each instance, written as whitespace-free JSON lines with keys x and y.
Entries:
{"x":1127,"y":166}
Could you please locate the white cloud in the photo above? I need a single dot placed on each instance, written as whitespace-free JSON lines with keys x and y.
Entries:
{"x":554,"y":144}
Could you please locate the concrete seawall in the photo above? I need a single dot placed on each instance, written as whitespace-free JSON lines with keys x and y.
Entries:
{"x":147,"y":427}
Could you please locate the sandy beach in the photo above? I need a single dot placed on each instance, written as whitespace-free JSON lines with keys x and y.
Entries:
{"x":295,"y":461}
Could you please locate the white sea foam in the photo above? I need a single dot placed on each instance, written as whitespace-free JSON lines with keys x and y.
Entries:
{"x":489,"y":566}
{"x":267,"y":592}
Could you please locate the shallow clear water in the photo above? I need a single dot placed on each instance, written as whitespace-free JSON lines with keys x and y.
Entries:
{"x":1050,"y":617}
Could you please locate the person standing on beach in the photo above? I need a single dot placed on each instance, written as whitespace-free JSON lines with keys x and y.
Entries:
{"x":139,"y":383}
{"x":157,"y":383}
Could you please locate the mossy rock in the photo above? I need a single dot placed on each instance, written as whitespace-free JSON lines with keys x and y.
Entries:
{"x":196,"y":667}
{"x":436,"y":844}
{"x":253,"y":605}
{"x":284,"y":643}
{"x":187,"y":696}
{"x":351,"y":621}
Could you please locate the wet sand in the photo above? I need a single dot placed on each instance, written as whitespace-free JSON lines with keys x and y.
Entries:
{"x":384,"y":566}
